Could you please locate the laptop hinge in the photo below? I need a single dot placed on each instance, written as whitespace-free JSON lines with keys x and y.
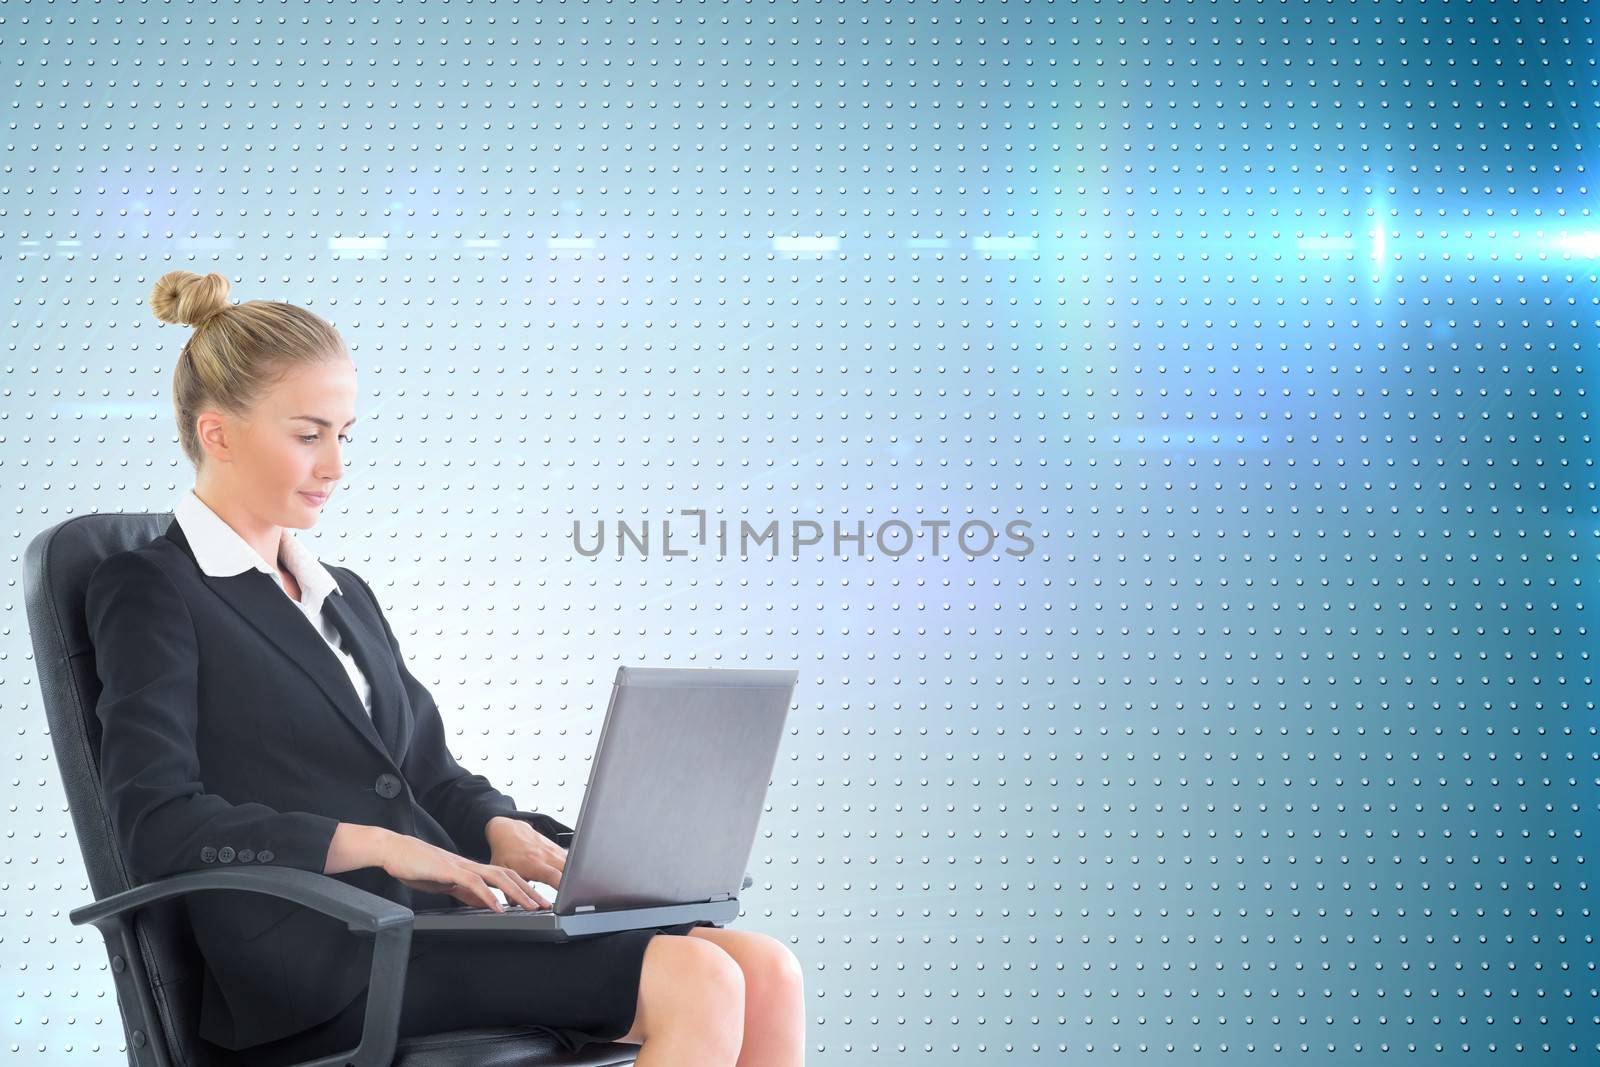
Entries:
{"x":584,"y":907}
{"x":720,"y":896}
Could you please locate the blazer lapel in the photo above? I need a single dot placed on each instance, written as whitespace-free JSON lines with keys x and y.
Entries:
{"x":263,"y":604}
{"x":371,"y":654}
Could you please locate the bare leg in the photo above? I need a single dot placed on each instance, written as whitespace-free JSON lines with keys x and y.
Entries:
{"x":691,"y":1005}
{"x":774,"y":997}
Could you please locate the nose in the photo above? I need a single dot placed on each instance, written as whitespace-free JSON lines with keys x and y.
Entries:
{"x":331,"y":470}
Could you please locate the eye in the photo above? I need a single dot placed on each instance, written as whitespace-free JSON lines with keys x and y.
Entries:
{"x":311,"y":438}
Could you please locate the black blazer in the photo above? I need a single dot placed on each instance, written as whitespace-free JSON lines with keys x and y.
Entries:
{"x":231,"y":734}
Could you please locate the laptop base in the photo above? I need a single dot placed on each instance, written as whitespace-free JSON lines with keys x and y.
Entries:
{"x":521,"y":924}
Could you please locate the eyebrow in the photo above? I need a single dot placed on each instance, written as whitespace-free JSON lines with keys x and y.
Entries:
{"x":324,"y":423}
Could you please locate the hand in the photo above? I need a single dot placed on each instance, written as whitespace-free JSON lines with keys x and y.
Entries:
{"x":416,"y":863}
{"x":515,"y":844}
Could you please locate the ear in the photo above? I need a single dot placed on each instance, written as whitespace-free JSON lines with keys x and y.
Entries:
{"x":215,"y":432}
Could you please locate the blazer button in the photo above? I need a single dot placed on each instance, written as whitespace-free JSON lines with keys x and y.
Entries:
{"x":226,"y":854}
{"x":208,"y":854}
{"x":387,"y":785}
{"x":247,"y":855}
{"x":265,"y":856}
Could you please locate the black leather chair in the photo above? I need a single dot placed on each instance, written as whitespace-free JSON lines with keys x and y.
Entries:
{"x":155,"y":963}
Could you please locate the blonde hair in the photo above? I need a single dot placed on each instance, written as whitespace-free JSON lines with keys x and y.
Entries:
{"x":237,"y":351}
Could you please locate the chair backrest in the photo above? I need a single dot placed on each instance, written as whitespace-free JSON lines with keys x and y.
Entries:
{"x":56,"y":570}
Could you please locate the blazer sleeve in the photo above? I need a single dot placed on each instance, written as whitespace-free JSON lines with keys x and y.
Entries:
{"x":147,"y":658}
{"x":461,"y":802}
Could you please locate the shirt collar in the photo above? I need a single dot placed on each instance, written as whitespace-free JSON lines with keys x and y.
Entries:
{"x":221,"y":552}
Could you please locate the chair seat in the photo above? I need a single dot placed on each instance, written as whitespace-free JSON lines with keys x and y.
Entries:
{"x":510,"y":1046}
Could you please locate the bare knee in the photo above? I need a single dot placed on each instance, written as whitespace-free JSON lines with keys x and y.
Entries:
{"x":690,"y":986}
{"x":773,"y":970}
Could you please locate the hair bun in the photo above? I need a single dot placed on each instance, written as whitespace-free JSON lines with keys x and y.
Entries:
{"x":182,"y":296}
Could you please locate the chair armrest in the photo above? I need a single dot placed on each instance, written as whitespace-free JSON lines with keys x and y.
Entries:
{"x":366,"y":914}
{"x":363,"y":912}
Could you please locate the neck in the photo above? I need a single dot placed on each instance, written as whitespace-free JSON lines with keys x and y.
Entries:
{"x":264,"y":537}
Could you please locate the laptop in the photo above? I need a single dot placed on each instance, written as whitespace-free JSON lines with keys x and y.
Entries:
{"x":669,"y":818}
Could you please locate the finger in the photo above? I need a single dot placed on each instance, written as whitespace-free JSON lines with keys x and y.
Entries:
{"x":515,"y":886}
{"x":467,"y":897}
{"x":480,"y":889}
{"x":536,"y":899}
{"x":534,"y":895}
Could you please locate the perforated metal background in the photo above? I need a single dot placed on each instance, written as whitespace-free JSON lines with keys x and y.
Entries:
{"x":1269,"y":320}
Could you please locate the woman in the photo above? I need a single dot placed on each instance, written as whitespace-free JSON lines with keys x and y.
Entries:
{"x":256,"y":708}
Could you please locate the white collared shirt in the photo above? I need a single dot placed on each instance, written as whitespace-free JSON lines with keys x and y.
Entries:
{"x":220,"y":551}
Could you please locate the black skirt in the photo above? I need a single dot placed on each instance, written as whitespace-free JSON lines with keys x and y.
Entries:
{"x":580,"y":991}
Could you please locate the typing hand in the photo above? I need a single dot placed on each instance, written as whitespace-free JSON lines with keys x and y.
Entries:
{"x":421,"y":865}
{"x":545,"y":892}
{"x":517,"y":846}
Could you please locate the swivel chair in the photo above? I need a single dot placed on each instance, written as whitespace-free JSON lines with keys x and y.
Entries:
{"x":155,"y":963}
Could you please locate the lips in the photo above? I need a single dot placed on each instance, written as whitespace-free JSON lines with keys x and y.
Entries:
{"x":314,"y":497}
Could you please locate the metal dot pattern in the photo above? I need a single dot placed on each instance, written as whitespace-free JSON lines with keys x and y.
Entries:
{"x":1266,"y":324}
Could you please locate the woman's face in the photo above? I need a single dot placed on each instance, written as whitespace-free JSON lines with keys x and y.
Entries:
{"x":291,"y":445}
